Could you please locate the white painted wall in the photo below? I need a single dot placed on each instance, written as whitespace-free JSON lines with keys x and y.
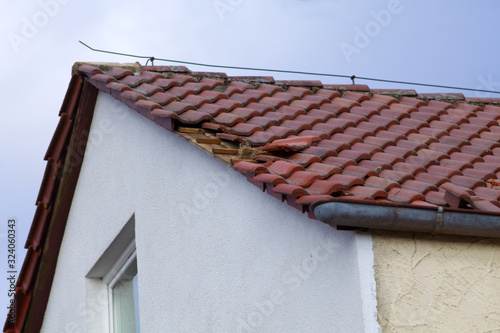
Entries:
{"x":215,"y":254}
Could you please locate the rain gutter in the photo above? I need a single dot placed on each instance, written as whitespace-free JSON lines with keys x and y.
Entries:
{"x":435,"y":220}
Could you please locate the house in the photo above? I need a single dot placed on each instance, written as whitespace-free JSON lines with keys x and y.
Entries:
{"x":196,"y":202}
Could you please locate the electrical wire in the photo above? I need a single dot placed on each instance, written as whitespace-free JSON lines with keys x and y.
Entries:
{"x":352,"y":77}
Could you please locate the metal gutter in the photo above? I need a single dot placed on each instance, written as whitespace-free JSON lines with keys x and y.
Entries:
{"x":404,"y":218}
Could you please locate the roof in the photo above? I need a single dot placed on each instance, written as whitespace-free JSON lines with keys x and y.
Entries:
{"x":303,"y":142}
{"x":311,"y":141}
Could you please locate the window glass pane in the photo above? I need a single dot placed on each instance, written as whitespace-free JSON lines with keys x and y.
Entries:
{"x":125,"y":301}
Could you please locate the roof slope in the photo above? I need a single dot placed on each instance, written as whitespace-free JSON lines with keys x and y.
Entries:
{"x":316,"y":142}
{"x":304,"y":142}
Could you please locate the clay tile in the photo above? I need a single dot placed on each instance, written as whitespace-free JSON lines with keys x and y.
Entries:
{"x":180,"y":79}
{"x":282,"y":132}
{"x":366,"y":148}
{"x":334,"y":145}
{"x":403,"y":107}
{"x":289,"y":189}
{"x":151,"y":76}
{"x":420,"y":187}
{"x":146,"y":104}
{"x":355,"y":96}
{"x":212,"y":83}
{"x":436,"y":198}
{"x":291,"y":144}
{"x":348,"y":103}
{"x":492,"y":108}
{"x":424,"y":116}
{"x":178,"y":107}
{"x":319,"y":100}
{"x":435,"y":132}
{"x":467,"y":107}
{"x":415,"y":123}
{"x":351,"y":87}
{"x":323,"y":169}
{"x":455,"y":164}
{"x":334,"y":108}
{"x":466,"y":157}
{"x":330,"y":94}
{"x":415,"y":102}
{"x":490,"y":136}
{"x":408,"y":168}
{"x":404,"y":196}
{"x":340,"y":162}
{"x":405,"y":130}
{"x":381,"y":183}
{"x":290,"y":110}
{"x":443,"y":171}
{"x":379,"y":106}
{"x":162,"y":113}
{"x":444,"y":148}
{"x":456,"y":196}
{"x":250,"y":167}
{"x":260,"y":138}
{"x":399,"y":151}
{"x":320,"y":114}
{"x":262,"y":108}
{"x":299,"y":92}
{"x":304,"y":104}
{"x":284,"y":168}
{"x":180,"y":92}
{"x":264,"y":122}
{"x":482,"y":121}
{"x":228,"y":119}
{"x":103,"y":78}
{"x":296,"y":125}
{"x":384,"y":121}
{"x":412,"y":145}
{"x":245,"y":113}
{"x":443,"y":125}
{"x":395,"y":114}
{"x":433,"y":110}
{"x":473,"y":128}
{"x":164,"y":83}
{"x":197,"y":87}
{"x":274,"y":102}
{"x":312,"y":199}
{"x":488,"y":206}
{"x":304,"y":159}
{"x":356,"y":118}
{"x":322,"y":152}
{"x":484,"y":143}
{"x":376,"y":166}
{"x":478,"y":174}
{"x":364,"y":190}
{"x":453,"y":119}
{"x":430,"y":178}
{"x":119,"y":87}
{"x":89,"y":70}
{"x":269,"y":178}
{"x":475,"y":150}
{"x":193,"y":117}
{"x":132,"y":95}
{"x":488,"y":193}
{"x":423,"y":161}
{"x":212,"y":109}
{"x":348,"y":139}
{"x":354,"y":155}
{"x":439,"y":104}
{"x":489,"y":167}
{"x":324,"y":187}
{"x":384,"y":99}
{"x":270,"y":89}
{"x":358,"y":171}
{"x":359,"y":132}
{"x":490,"y":159}
{"x":300,"y":83}
{"x":467,"y":182}
{"x":374,"y":128}
{"x":388,"y":158}
{"x":303,"y":178}
{"x":425,"y":139}
{"x":397,"y":176}
{"x":241,"y":129}
{"x":346,"y":180}
{"x":119,"y":72}
{"x":280,"y":117}
{"x":432,"y":153}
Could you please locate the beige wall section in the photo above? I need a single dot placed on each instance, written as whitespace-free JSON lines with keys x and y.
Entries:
{"x":428,"y":283}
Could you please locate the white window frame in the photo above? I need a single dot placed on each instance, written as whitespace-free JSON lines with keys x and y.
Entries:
{"x":113,"y":276}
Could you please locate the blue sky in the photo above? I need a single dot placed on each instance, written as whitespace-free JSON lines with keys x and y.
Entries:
{"x":444,"y":42}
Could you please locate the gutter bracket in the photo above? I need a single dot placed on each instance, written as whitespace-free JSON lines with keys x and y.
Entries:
{"x":439,"y":220}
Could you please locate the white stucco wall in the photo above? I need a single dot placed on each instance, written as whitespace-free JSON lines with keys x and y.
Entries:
{"x":215,"y":254}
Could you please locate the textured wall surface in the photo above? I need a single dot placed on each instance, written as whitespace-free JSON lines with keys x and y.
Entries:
{"x":214,"y":253}
{"x":429,"y":283}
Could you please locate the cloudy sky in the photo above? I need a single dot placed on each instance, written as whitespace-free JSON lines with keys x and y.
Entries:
{"x":444,"y":42}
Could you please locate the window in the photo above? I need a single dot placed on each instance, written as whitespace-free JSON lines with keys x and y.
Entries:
{"x":123,"y":298}
{"x":123,"y":293}
{"x":113,"y":293}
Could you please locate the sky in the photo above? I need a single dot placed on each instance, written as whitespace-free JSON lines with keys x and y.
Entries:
{"x":447,"y":42}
